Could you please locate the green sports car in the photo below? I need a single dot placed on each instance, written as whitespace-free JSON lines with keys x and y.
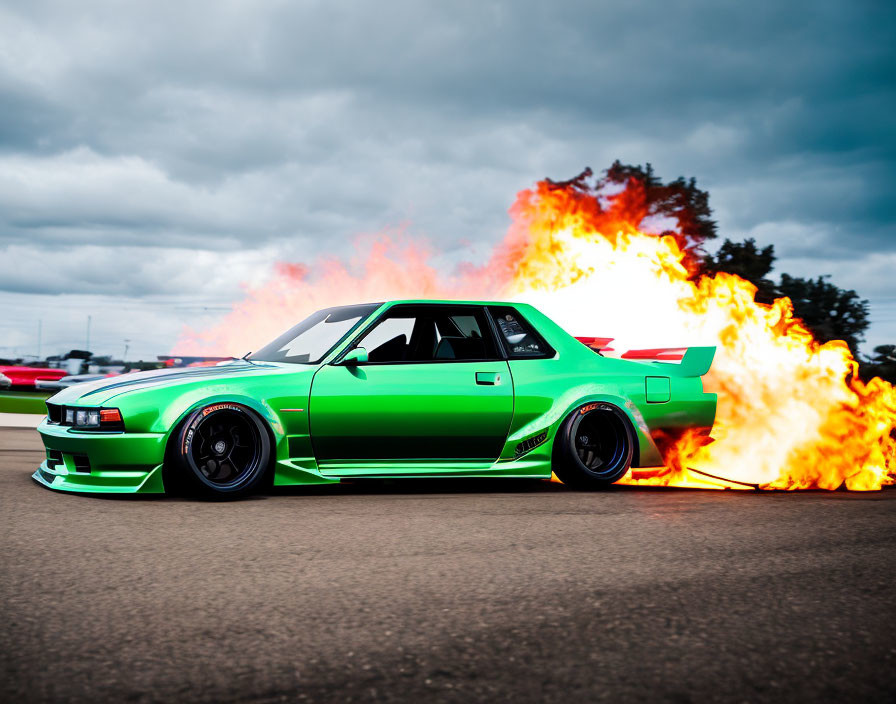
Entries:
{"x":381,"y":390}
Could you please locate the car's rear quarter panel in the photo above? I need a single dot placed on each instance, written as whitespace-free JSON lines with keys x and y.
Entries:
{"x":547,"y":390}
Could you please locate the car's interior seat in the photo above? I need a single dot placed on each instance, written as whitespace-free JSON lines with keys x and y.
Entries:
{"x":394,"y":350}
{"x":460,"y":348}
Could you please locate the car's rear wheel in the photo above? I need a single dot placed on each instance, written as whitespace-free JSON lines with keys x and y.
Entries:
{"x":593,"y":447}
{"x":222,"y":450}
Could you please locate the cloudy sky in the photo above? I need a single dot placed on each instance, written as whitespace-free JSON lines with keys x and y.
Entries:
{"x":154,"y":156}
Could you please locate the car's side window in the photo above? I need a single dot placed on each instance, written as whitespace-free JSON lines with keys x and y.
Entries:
{"x":430,"y":334}
{"x":520,"y":339}
{"x":459,"y":336}
{"x":389,"y":340}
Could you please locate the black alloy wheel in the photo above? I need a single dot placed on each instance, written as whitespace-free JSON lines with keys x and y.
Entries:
{"x":594,"y":446}
{"x":223,"y":450}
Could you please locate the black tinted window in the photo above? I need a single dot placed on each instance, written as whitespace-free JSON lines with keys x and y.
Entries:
{"x":520,"y":339}
{"x":429,"y":334}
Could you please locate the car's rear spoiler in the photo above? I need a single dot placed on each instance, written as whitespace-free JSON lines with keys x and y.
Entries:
{"x":657,"y":354}
{"x":691,"y":361}
{"x":695,"y":361}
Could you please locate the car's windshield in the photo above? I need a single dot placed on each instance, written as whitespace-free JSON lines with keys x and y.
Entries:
{"x":311,"y":340}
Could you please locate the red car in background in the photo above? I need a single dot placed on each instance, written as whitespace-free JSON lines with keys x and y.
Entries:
{"x":24,"y":377}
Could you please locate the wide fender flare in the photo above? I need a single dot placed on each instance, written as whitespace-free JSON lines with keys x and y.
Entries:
{"x":176,"y":412}
{"x":645,"y":446}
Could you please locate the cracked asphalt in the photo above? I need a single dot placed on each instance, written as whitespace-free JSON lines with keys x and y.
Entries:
{"x":466,"y":591}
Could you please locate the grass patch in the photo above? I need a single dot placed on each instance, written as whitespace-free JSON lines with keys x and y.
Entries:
{"x":23,"y":401}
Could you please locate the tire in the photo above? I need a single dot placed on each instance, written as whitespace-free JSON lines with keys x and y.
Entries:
{"x":593,"y":447}
{"x":221,"y":451}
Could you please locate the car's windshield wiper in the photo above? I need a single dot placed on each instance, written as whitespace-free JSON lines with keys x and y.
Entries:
{"x":245,"y":358}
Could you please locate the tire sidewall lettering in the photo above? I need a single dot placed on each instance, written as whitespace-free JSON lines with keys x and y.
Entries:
{"x":201,"y":414}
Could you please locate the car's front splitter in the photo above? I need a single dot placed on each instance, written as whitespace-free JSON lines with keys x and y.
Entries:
{"x":126,"y":463}
{"x":104,"y":482}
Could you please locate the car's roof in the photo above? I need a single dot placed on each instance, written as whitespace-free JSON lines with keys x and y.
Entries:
{"x":447,"y":301}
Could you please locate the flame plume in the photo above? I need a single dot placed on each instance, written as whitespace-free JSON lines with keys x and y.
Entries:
{"x":792,"y":413}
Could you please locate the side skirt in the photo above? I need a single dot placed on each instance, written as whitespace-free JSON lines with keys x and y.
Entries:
{"x":522,"y":468}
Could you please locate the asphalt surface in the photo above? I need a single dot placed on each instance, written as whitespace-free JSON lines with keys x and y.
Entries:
{"x":444,"y":592}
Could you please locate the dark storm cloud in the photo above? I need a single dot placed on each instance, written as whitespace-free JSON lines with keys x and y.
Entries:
{"x":286,"y":127}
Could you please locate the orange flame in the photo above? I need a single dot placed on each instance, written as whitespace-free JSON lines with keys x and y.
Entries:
{"x":791,"y":412}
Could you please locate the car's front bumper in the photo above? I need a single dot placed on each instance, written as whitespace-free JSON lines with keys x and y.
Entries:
{"x":98,"y":462}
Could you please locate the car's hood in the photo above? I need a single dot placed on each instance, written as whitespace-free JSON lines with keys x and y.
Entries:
{"x":101,"y":391}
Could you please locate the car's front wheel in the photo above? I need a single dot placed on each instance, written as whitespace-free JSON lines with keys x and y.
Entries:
{"x":222,"y":450}
{"x":593,"y":447}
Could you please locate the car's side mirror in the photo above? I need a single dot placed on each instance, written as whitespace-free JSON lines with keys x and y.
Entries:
{"x":355,"y":357}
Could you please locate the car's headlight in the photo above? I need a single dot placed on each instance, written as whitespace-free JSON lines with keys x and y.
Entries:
{"x":93,"y":418}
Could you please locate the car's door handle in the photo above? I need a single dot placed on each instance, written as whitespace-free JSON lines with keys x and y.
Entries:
{"x":488,"y":378}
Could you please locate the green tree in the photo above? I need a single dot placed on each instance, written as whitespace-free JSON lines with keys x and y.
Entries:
{"x":882,"y":364}
{"x":647,"y":195}
{"x":831,"y":313}
{"x":747,"y":261}
{"x":679,"y":199}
